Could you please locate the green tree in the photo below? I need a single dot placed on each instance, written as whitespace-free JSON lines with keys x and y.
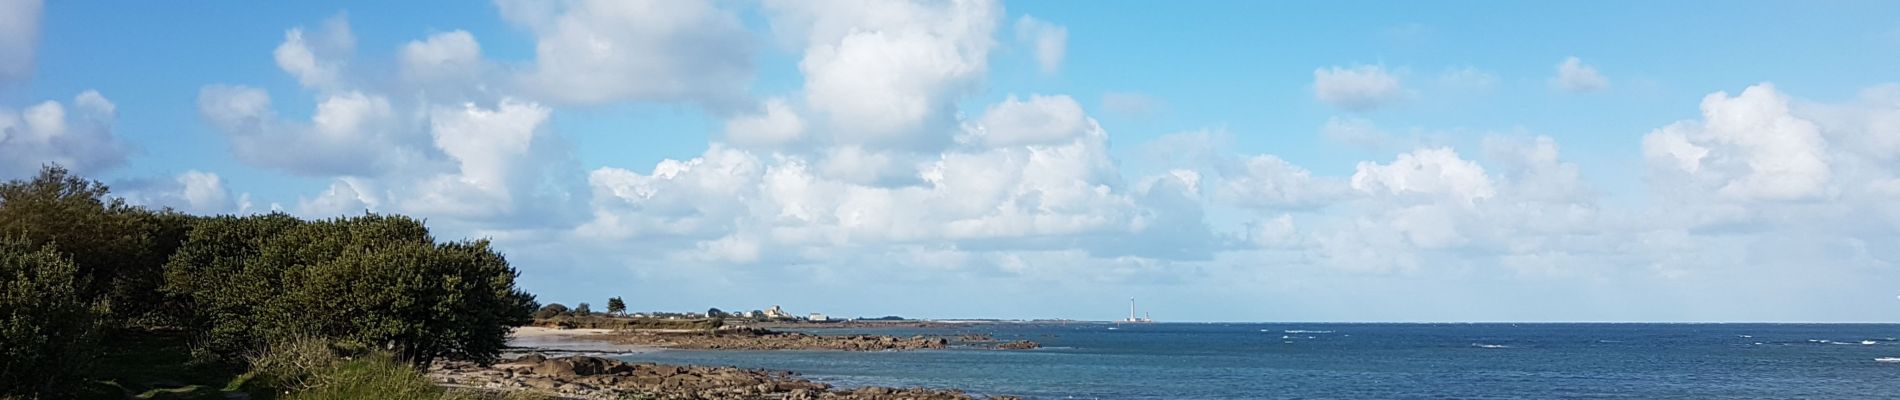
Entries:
{"x":583,"y":310}
{"x":110,"y":243}
{"x":715,"y":313}
{"x":46,"y":327}
{"x":374,"y":280}
{"x":616,"y":306}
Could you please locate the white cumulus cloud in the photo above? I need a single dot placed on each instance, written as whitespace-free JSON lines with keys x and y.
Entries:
{"x":1038,"y":120}
{"x":443,"y":61}
{"x":776,"y":124}
{"x":1746,"y":147}
{"x":79,"y":138}
{"x":885,"y":73}
{"x":599,"y":51}
{"x":1437,"y":172}
{"x":349,"y":133}
{"x":317,"y":58}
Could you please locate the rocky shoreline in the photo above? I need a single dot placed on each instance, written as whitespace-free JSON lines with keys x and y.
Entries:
{"x":586,"y":377}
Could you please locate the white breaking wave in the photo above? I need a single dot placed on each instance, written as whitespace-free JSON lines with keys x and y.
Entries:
{"x":1303,"y":331}
{"x":1489,"y":346}
{"x":1888,"y":359}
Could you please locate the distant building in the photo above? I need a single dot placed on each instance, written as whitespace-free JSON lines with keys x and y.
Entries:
{"x":816,"y":317}
{"x":775,"y":312}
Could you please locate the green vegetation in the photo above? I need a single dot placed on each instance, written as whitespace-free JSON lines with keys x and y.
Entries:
{"x":616,"y":306}
{"x":100,"y":299}
{"x":46,"y":328}
{"x":551,"y":311}
{"x":312,"y":369}
{"x":374,"y":280}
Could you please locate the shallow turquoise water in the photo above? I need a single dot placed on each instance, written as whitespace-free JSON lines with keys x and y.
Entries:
{"x":1357,"y":361}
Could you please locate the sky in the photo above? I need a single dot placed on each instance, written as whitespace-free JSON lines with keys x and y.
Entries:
{"x":1218,"y":161}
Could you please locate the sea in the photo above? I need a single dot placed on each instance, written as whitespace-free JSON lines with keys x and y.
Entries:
{"x":1369,"y":361}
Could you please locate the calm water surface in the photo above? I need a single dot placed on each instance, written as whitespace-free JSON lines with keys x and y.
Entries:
{"x":1357,"y":361}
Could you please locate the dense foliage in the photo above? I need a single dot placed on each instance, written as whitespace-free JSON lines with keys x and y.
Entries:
{"x":373,"y":280}
{"x":551,"y":311}
{"x":46,"y":327}
{"x":117,"y":249}
{"x":74,"y":260}
{"x":616,"y":306}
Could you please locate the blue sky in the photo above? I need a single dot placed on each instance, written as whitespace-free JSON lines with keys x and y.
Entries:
{"x":1340,"y":161}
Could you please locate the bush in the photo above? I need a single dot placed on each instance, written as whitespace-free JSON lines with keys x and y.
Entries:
{"x":115,"y":247}
{"x":375,"y":280}
{"x":46,"y":327}
{"x":551,"y":311}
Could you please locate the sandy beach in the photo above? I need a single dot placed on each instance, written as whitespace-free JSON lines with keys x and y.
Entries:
{"x":552,"y":340}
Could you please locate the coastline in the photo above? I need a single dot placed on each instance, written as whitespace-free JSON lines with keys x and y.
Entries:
{"x":573,"y":364}
{"x":544,"y":340}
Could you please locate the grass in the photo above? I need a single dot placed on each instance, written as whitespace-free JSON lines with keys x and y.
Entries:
{"x":373,"y":377}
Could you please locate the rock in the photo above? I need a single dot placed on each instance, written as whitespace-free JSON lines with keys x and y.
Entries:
{"x":1019,"y":345}
{"x":539,"y":383}
{"x":976,"y":337}
{"x":584,"y":377}
{"x":531,"y":358}
{"x":556,"y":367}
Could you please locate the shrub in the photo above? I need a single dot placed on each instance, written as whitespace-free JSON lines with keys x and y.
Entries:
{"x":378,"y":281}
{"x":46,"y":327}
{"x":551,"y":311}
{"x":115,"y":247}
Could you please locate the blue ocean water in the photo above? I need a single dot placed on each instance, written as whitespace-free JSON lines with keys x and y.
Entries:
{"x":1372,"y":361}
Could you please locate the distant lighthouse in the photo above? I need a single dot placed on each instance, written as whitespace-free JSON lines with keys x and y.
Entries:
{"x":1132,"y":316}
